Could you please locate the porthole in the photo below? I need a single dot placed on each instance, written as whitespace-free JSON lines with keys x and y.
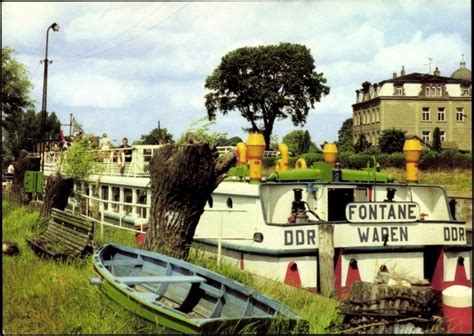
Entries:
{"x":229,"y":202}
{"x":210,"y":202}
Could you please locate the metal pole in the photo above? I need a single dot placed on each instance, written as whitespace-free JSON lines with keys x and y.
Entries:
{"x":219,"y":241}
{"x":55,"y":27}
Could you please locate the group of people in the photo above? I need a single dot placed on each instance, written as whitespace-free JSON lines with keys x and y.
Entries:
{"x":107,"y":152}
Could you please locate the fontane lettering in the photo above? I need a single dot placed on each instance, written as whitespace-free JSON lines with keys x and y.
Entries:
{"x":388,"y":234}
{"x":373,"y":212}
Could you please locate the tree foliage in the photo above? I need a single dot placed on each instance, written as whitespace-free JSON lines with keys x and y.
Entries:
{"x":266,"y":83}
{"x":345,"y":134}
{"x":155,"y":136}
{"x":361,"y":144}
{"x":437,"y":140}
{"x":20,"y":122}
{"x":299,"y":142}
{"x":16,"y":89}
{"x":391,"y":141}
{"x":77,"y":161}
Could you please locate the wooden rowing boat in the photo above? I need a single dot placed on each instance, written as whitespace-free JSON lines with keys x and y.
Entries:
{"x":187,"y":298}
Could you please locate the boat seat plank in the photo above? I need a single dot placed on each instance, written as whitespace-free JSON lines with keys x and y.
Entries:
{"x":212,"y":291}
{"x":123,"y":262}
{"x":133,"y":280}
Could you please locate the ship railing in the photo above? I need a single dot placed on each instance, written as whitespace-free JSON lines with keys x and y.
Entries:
{"x":111,"y":162}
{"x":102,"y":222}
{"x":230,"y":149}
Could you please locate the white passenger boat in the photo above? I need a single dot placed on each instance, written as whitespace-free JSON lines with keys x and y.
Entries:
{"x":278,"y":227}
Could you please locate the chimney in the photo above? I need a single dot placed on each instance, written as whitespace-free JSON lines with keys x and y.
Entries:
{"x":437,"y":72}
{"x":394,"y":75}
{"x":402,"y":73}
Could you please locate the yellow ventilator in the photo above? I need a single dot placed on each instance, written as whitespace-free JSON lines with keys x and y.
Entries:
{"x":282,"y":164}
{"x":241,"y":153}
{"x":255,"y":149}
{"x":301,"y":164}
{"x":330,"y":153}
{"x":412,"y":154}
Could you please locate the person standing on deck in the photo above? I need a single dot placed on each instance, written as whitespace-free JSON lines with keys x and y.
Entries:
{"x":125,"y":154}
{"x":105,"y":144}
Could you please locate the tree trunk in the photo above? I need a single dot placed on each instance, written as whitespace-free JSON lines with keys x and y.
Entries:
{"x":56,"y":193}
{"x":21,"y":165}
{"x":182,"y":179}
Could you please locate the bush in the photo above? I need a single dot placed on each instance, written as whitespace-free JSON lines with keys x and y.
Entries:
{"x":394,"y":160}
{"x":446,"y":160}
{"x":269,"y":162}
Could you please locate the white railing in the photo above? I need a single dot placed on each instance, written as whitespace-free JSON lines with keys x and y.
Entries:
{"x":229,"y":149}
{"x":102,"y":222}
{"x":111,"y":162}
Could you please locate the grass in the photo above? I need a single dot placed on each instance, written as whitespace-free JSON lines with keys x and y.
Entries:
{"x":41,"y":296}
{"x":457,"y":182}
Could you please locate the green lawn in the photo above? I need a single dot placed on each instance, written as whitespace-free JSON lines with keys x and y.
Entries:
{"x":43,"y":297}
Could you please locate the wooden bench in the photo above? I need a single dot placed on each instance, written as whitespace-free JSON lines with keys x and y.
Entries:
{"x":67,"y":236}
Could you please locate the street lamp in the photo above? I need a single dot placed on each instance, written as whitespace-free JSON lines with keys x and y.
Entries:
{"x":54,"y":27}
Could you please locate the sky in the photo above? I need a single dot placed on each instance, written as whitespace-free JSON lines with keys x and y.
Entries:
{"x":122,"y":67}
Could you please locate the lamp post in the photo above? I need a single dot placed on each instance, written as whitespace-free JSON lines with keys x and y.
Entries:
{"x":54,"y":27}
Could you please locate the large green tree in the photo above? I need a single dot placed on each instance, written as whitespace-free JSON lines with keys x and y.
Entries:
{"x":299,"y":142}
{"x":16,"y":100}
{"x":344,"y":140}
{"x":155,"y":136}
{"x":266,"y":83}
{"x":20,"y":122}
{"x":391,"y":141}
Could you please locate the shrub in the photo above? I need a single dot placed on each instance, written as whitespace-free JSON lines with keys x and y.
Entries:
{"x":269,"y":162}
{"x":394,"y":160}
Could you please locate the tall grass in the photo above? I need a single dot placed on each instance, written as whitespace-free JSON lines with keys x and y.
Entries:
{"x":457,"y":182}
{"x":41,"y":296}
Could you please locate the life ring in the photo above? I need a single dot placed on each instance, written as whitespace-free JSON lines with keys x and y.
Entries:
{"x":301,"y":164}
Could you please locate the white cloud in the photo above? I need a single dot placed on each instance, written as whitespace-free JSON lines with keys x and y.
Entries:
{"x":156,"y":69}
{"x":94,"y":90}
{"x":444,"y":49}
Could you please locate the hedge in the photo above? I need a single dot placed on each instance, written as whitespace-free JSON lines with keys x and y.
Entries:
{"x":430,"y":160}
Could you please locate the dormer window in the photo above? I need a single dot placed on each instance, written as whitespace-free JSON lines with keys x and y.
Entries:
{"x":465,"y":91}
{"x":433,"y":90}
{"x":398,"y":90}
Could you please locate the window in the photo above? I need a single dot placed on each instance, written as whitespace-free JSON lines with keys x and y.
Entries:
{"x":426,"y":136}
{"x":442,"y":136}
{"x":433,"y":91}
{"x":399,"y":91}
{"x":441,"y":114}
{"x":377,"y":115}
{"x":425,"y":114}
{"x":229,"y":202}
{"x":460,"y":114}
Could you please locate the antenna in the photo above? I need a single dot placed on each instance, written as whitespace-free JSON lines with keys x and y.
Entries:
{"x":429,"y":64}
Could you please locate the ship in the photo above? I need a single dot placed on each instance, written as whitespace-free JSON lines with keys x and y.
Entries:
{"x":304,"y":225}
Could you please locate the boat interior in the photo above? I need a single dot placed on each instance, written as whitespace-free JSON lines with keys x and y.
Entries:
{"x":191,"y":293}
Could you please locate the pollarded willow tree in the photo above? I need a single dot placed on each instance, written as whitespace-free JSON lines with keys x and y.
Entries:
{"x":266,"y":83}
{"x":183,"y":176}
